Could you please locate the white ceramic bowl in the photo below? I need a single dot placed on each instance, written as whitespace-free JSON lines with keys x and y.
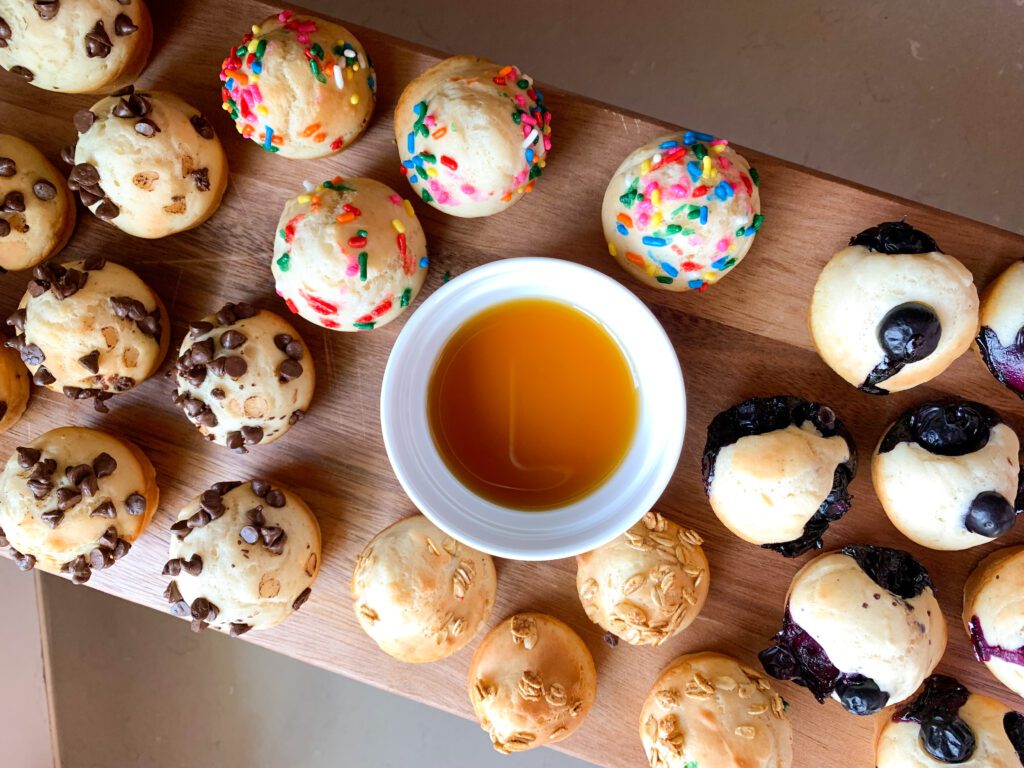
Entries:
{"x":588,"y":522}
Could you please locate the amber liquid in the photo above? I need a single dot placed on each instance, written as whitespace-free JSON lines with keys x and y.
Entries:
{"x":532,"y":404}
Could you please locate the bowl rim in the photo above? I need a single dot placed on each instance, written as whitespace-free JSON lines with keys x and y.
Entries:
{"x":584,"y":524}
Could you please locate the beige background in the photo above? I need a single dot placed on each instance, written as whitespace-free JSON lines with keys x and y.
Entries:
{"x":920,"y":98}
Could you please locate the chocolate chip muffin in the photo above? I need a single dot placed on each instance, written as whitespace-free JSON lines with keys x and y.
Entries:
{"x":244,"y":376}
{"x":948,"y":724}
{"x":1001,"y":336}
{"x":892,"y":311}
{"x":776,"y":471}
{"x":14,"y":389}
{"x":242,"y":556}
{"x":90,"y":329}
{"x":73,"y":501}
{"x":948,"y":474}
{"x":37,"y":211}
{"x":993,"y":615}
{"x":148,"y":163}
{"x":75,"y":46}
{"x":861,"y":625}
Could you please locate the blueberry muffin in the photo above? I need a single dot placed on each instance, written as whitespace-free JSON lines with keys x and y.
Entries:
{"x":946,"y":724}
{"x":90,"y":329}
{"x":73,"y":500}
{"x":14,"y":389}
{"x":75,"y":46}
{"x":243,"y":556}
{"x":244,"y":376}
{"x":776,"y":471}
{"x":422,"y":595}
{"x":993,"y":614}
{"x":648,"y":584}
{"x":37,"y":211}
{"x":861,"y":625}
{"x":709,"y":710}
{"x":1001,"y":337}
{"x":948,"y":475}
{"x":892,"y":311}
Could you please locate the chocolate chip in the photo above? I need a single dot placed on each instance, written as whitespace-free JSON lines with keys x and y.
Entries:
{"x":195,"y":375}
{"x":47,"y":9}
{"x":109,"y":538}
{"x":218,"y":393}
{"x":193,"y":566}
{"x":99,"y":403}
{"x":210,"y":500}
{"x":68,"y":284}
{"x":5,"y":228}
{"x":107,"y":211}
{"x":201,"y":352}
{"x":67,"y":497}
{"x":85,"y":175}
{"x":217,"y":366}
{"x":4,"y":543}
{"x":14,"y":202}
{"x":89,"y":197}
{"x":123,"y":383}
{"x":90,"y":486}
{"x":146,"y":127}
{"x":77,"y":473}
{"x":121,"y":548}
{"x":106,"y":509}
{"x":302,"y":598}
{"x":23,"y":72}
{"x":252,"y":435}
{"x":226,"y":315}
{"x":612,"y":639}
{"x":83,"y":120}
{"x":244,"y":310}
{"x":274,"y":539}
{"x":31,"y":354}
{"x":233,"y":339}
{"x":94,"y":262}
{"x":200,"y":519}
{"x":104,"y":465}
{"x":123,"y":25}
{"x":135,"y":504}
{"x":207,"y":419}
{"x":199,"y":327}
{"x":127,"y":90}
{"x":171,"y":592}
{"x":44,"y":468}
{"x":27,"y":456}
{"x":67,"y":154}
{"x":201,"y":176}
{"x":97,"y":42}
{"x":25,"y":562}
{"x":181,"y":529}
{"x":150,"y":324}
{"x":235,"y":367}
{"x":52,"y":518}
{"x":5,"y":34}
{"x":193,"y":407}
{"x":203,"y":609}
{"x":202,"y":126}
{"x":44,"y":190}
{"x":123,"y":109}
{"x":42,"y":377}
{"x":101,"y":558}
{"x":172,"y":567}
{"x":40,"y":487}
{"x":255,"y":516}
{"x":91,"y":361}
{"x":250,"y":534}
{"x":139,"y":104}
{"x":290,"y":370}
{"x":17,"y":320}
{"x":296,"y":417}
{"x":238,"y":628}
{"x":7,"y":166}
{"x":275,"y":498}
{"x":260,"y":487}
{"x":235,"y":442}
{"x":225,"y":486}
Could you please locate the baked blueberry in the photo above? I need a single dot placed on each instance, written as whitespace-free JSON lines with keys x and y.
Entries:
{"x":948,"y":474}
{"x":776,"y":471}
{"x":891,"y":310}
{"x":993,"y":615}
{"x":861,"y":626}
{"x":1001,"y":337}
{"x":946,"y":723}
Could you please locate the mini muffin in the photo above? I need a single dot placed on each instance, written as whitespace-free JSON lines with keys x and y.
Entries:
{"x":148,"y":163}
{"x":243,"y":556}
{"x":1001,"y":337}
{"x":647,"y":585}
{"x":299,"y":85}
{"x":947,"y":724}
{"x":89,"y":329}
{"x":421,"y":595}
{"x":74,"y":500}
{"x":948,"y":475}
{"x":709,"y":710}
{"x":532,"y":682}
{"x":350,"y":255}
{"x":13,"y":388}
{"x":861,"y":625}
{"x":892,"y":311}
{"x":473,"y":136}
{"x":993,"y":615}
{"x":776,"y":471}
{"x":78,"y":46}
{"x":681,"y":211}
{"x":244,"y":376}
{"x":37,"y":212}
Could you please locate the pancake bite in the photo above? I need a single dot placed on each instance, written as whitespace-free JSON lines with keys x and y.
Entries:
{"x":299,"y":86}
{"x":892,"y":311}
{"x":74,"y":500}
{"x":90,"y":329}
{"x":14,"y":388}
{"x":1001,"y":338}
{"x":532,"y":682}
{"x":473,"y":136}
{"x":948,"y":474}
{"x":647,"y":585}
{"x":861,"y":625}
{"x":993,"y":614}
{"x":37,"y":211}
{"x":682,"y":211}
{"x":948,"y":724}
{"x":245,"y":377}
{"x":419,"y":594}
{"x":350,"y":255}
{"x":709,"y":710}
{"x":75,"y":46}
{"x":148,"y":163}
{"x":243,"y":556}
{"x":776,"y":471}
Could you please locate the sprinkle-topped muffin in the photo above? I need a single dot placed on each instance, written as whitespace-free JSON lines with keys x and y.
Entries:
{"x":473,"y":136}
{"x":682,"y":211}
{"x":299,"y":86}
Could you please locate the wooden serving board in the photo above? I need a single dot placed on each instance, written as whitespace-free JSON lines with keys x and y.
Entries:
{"x":746,"y":336}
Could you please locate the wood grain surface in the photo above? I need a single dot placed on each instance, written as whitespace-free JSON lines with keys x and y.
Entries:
{"x":746,"y":336}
